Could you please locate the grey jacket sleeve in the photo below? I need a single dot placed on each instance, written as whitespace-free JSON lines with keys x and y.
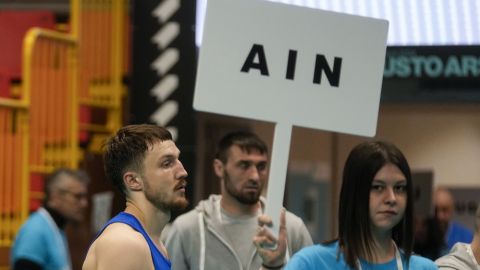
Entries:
{"x":176,"y":250}
{"x":454,"y":262}
{"x":448,"y":267}
{"x":458,"y":259}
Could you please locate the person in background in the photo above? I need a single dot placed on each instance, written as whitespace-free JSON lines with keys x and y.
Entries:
{"x":228,"y":231}
{"x":429,"y":238}
{"x":143,"y":162}
{"x":453,"y":231}
{"x":41,"y":242}
{"x":375,"y":216}
{"x":464,"y":256}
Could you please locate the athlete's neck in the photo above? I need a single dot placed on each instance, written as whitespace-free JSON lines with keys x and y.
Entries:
{"x":153,"y":221}
{"x":134,"y":210}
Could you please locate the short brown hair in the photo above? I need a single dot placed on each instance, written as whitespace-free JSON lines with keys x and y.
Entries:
{"x":126,"y":150}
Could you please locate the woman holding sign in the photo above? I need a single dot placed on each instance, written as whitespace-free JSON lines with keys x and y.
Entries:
{"x":375,"y":224}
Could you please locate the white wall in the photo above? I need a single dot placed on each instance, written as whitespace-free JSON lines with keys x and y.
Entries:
{"x":444,"y":139}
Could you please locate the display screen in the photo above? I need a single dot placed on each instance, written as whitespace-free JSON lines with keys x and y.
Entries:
{"x":412,"y":22}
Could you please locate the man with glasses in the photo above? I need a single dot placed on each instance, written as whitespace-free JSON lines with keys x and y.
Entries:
{"x":41,"y":242}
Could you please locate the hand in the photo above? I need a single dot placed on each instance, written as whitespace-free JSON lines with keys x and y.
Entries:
{"x":265,"y":239}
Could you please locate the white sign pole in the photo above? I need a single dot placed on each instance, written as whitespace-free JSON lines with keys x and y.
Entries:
{"x":278,"y":173}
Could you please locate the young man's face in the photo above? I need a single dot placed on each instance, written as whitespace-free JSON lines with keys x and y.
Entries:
{"x":244,"y":175}
{"x":164,"y":177}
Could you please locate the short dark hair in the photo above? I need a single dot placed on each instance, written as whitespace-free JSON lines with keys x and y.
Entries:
{"x":363,"y":163}
{"x":127,"y":148}
{"x":53,"y":180}
{"x":246,"y":140}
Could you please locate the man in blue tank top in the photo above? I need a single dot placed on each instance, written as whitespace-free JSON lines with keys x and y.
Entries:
{"x":142,"y":161}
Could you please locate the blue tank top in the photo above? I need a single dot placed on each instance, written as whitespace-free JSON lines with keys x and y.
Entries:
{"x":159,"y":261}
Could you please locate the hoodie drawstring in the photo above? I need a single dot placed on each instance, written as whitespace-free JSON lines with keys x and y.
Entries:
{"x":202,"y":241}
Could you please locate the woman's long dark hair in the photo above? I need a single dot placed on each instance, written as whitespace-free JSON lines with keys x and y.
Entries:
{"x":355,"y":236}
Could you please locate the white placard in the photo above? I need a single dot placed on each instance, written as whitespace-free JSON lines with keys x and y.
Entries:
{"x":101,"y":210}
{"x":292,"y":66}
{"x":232,"y":27}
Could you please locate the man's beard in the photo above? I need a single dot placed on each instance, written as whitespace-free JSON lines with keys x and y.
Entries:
{"x":158,"y":199}
{"x":249,"y":198}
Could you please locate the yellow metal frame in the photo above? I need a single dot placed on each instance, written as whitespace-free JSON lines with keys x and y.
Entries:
{"x":15,"y":185}
{"x":103,"y":92}
{"x":106,"y":95}
{"x":16,"y":113}
{"x":68,"y":155}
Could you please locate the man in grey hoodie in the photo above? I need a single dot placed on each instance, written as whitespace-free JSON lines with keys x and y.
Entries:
{"x":464,"y":256}
{"x":225,"y":231}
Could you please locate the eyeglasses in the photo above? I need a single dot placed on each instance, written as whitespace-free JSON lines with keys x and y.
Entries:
{"x":78,"y":196}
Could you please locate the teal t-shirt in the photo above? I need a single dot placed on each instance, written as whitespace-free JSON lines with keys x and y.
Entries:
{"x":40,"y":240}
{"x":325,"y":257}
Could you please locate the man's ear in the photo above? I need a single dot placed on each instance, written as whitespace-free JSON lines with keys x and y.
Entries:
{"x":132,"y":181}
{"x":218,"y":167}
{"x":55,"y":199}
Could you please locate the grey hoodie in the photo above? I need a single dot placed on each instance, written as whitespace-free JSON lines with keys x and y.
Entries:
{"x":457,"y":259}
{"x":197,"y":240}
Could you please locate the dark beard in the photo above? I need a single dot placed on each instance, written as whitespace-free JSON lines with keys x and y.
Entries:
{"x":165,"y":206}
{"x":249,"y":198}
{"x":179,"y":205}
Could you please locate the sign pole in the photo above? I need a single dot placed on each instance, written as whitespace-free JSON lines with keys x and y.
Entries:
{"x":278,"y":173}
